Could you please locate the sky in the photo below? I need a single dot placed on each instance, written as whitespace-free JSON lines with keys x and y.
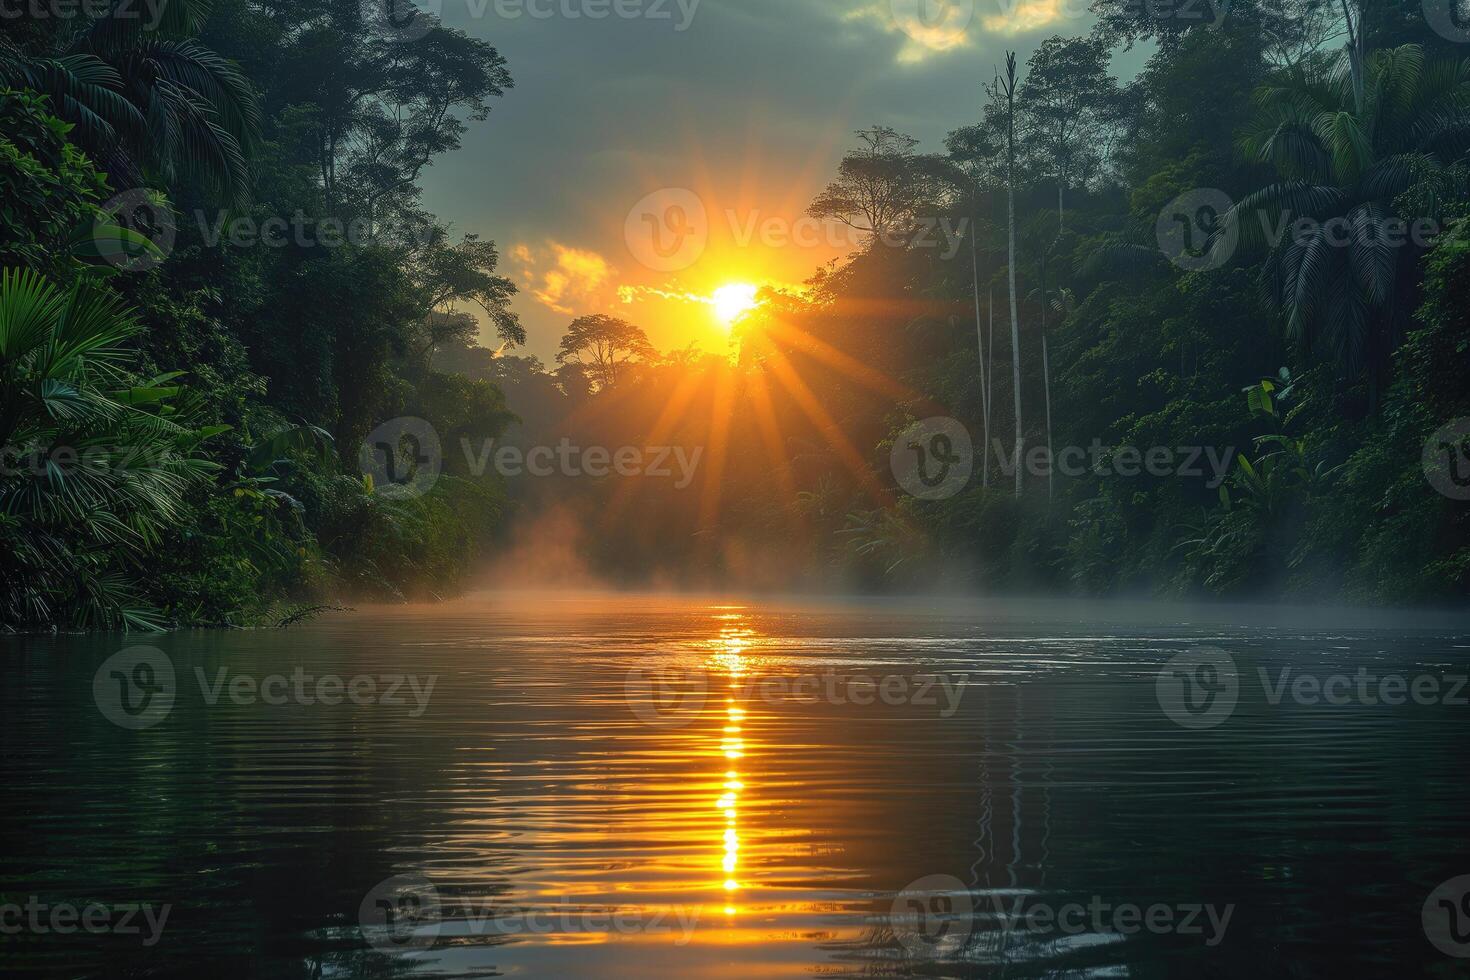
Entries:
{"x":656,"y":165}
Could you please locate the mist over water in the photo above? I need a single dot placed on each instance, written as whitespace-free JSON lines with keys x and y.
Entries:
{"x":615,"y":785}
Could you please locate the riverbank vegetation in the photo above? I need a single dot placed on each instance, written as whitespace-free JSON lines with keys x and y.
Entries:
{"x":182,"y":413}
{"x":1204,"y":258}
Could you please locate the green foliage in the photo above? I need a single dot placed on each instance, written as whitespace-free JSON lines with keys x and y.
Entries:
{"x":49,"y":190}
{"x":98,"y":466}
{"x":145,"y":94}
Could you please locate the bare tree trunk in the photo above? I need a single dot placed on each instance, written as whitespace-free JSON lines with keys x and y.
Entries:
{"x":989,"y":377}
{"x":1046,"y":379}
{"x":984,"y":381}
{"x":1010,"y":92}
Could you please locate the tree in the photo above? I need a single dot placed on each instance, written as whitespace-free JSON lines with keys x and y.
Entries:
{"x":378,"y":111}
{"x":465,"y":273}
{"x":1067,"y":100}
{"x":602,"y":344}
{"x":1356,"y":167}
{"x":1006,"y":89}
{"x":147,"y":100}
{"x":881,"y":187}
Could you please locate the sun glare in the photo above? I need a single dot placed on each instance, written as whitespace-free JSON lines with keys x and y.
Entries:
{"x":732,"y":300}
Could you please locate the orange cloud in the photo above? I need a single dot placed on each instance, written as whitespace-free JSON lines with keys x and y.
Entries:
{"x":562,"y":278}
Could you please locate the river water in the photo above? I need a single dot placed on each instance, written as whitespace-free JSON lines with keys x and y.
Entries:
{"x":697,"y":787}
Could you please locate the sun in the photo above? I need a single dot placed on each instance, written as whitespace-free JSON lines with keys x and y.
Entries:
{"x":733,"y":300}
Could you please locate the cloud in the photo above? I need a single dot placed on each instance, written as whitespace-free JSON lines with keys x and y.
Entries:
{"x":1025,"y":16}
{"x":930,"y":28}
{"x":563,"y":278}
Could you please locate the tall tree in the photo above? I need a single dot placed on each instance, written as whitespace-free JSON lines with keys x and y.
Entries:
{"x":1005,"y":89}
{"x":1067,"y":100}
{"x":882,"y":186}
{"x":603,"y":344}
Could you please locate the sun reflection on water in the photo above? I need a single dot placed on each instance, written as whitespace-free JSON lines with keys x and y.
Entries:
{"x":729,"y":656}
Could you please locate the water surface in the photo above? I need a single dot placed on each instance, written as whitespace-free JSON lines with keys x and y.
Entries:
{"x":725,"y":788}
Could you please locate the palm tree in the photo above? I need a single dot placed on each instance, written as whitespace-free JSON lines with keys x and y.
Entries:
{"x":1355,"y":162}
{"x":94,"y":468}
{"x":147,"y":99}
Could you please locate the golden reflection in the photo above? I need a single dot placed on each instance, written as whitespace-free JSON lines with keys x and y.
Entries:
{"x":730,"y":657}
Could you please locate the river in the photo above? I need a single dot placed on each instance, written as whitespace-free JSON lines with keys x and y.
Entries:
{"x":654,"y":786}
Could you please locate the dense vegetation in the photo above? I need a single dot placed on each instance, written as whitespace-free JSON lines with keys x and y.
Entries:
{"x":1313,"y":359}
{"x":182,"y":413}
{"x":183,"y":420}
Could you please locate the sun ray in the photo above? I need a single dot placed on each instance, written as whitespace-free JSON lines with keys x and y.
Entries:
{"x":672,"y":413}
{"x":719,"y":444}
{"x":827,"y":426}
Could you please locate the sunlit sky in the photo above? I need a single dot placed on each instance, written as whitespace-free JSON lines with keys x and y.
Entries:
{"x":743,"y":116}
